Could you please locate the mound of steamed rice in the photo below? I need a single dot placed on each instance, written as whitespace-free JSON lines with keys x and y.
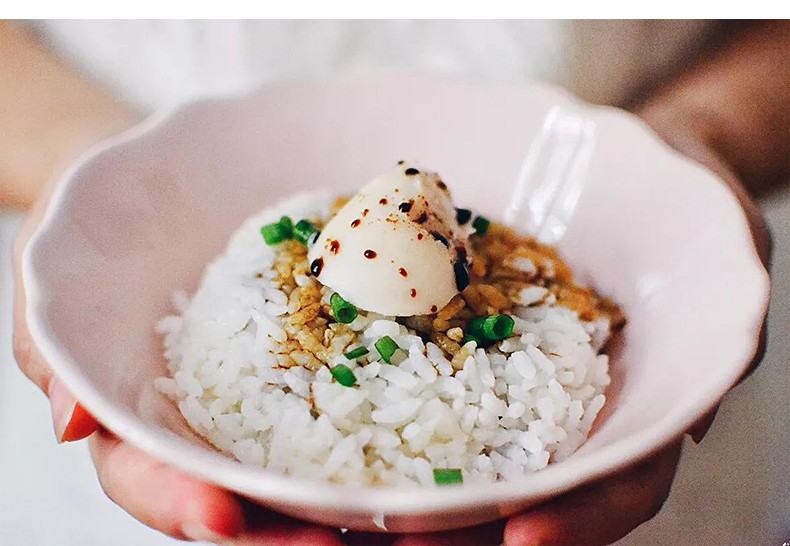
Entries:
{"x":509,"y":410}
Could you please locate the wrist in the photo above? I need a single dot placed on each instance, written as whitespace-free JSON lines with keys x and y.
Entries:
{"x":51,"y":115}
{"x":69,"y":141}
{"x":695,"y":134}
{"x":691,"y":132}
{"x":84,"y":131}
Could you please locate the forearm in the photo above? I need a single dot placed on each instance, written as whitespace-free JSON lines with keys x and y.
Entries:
{"x":736,"y":103}
{"x":48,"y":116}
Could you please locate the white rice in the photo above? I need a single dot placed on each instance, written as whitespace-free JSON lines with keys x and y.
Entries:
{"x":514,"y":408}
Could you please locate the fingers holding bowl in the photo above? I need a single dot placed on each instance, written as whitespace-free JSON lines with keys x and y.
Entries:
{"x":266,"y":527}
{"x":489,"y":533}
{"x":183,"y":507}
{"x":70,"y":420}
{"x":603,"y":512}
{"x":161,"y":497}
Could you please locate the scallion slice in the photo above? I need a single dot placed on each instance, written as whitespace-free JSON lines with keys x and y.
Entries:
{"x":475,"y":327}
{"x":286,"y":222}
{"x":447,"y":476}
{"x":344,"y":375}
{"x":274,"y":234}
{"x":356,"y":353}
{"x":498,"y":327}
{"x":386,"y":347}
{"x":344,"y":312}
{"x":305,"y":232}
{"x":481,"y":225}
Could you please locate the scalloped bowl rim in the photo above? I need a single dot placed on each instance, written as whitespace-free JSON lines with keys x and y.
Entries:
{"x":219,"y":469}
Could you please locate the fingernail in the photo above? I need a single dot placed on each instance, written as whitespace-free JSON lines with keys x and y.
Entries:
{"x":200,"y":533}
{"x":63,"y":406}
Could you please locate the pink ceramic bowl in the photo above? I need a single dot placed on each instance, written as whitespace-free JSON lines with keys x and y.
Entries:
{"x":140,"y":217}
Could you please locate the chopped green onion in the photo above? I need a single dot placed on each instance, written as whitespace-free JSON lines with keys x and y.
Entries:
{"x":481,"y":225}
{"x":447,"y":476}
{"x":356,"y":353}
{"x":386,"y":348}
{"x":483,"y":330}
{"x":498,"y":327}
{"x":475,"y":327}
{"x":274,"y":234}
{"x":344,"y":312}
{"x":305,"y":232}
{"x":344,"y":375}
{"x":286,"y":222}
{"x":467,"y":338}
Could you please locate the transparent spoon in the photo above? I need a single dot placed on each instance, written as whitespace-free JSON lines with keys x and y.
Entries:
{"x":552,"y":175}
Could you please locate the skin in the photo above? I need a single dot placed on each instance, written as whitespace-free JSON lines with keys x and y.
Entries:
{"x":730,"y":112}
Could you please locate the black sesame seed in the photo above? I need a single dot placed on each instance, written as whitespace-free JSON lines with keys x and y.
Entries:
{"x":406,"y":206}
{"x":441,"y":238}
{"x":411,"y":170}
{"x":423,"y":217}
{"x":463,"y":216}
{"x":316,"y":266}
{"x":400,"y":162}
{"x":461,"y":253}
{"x":461,"y":275}
{"x":442,"y":185}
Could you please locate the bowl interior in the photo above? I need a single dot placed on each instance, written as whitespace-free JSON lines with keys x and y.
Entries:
{"x":141,"y":218}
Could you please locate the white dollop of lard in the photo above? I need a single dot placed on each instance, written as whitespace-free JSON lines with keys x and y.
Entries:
{"x":395,"y":247}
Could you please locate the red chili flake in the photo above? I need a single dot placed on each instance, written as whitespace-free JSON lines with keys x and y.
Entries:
{"x":403,"y":272}
{"x":383,"y":201}
{"x":334,"y":247}
{"x":413,"y":293}
{"x":369,"y":254}
{"x":422,"y":218}
{"x":356,"y":222}
{"x":317,"y":266}
{"x":442,"y":185}
{"x":365,"y":212}
{"x":419,"y":236}
{"x":406,"y":205}
{"x":434,"y":308}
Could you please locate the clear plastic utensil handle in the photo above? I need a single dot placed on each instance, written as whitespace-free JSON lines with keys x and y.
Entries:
{"x":552,"y":175}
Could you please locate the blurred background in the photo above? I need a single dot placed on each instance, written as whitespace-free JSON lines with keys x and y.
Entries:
{"x":733,"y":488}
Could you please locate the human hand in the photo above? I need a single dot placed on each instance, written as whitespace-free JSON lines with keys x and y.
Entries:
{"x":154,"y":493}
{"x":606,"y":511}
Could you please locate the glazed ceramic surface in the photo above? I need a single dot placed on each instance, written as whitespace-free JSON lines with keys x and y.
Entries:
{"x":141,"y":216}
